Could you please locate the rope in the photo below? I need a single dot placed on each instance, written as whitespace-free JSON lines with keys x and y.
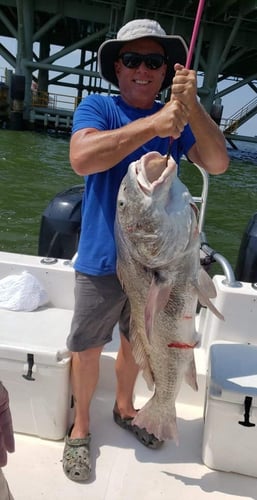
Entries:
{"x":182,"y":345}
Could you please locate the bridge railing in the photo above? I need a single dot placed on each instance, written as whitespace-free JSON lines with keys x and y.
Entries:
{"x":232,"y":123}
{"x":54,"y":101}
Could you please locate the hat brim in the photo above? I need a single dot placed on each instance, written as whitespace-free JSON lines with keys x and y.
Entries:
{"x":175,"y":49}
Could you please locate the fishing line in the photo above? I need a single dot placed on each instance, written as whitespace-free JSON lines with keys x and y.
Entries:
{"x":191,"y":49}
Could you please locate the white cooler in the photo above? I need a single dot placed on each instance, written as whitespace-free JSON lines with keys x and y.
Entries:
{"x":230,"y":428}
{"x":35,"y":369}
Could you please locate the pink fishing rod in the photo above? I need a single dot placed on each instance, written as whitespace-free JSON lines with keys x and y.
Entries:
{"x":195,"y":33}
{"x":191,"y":47}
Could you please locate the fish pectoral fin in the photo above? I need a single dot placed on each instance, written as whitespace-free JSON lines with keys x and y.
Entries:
{"x":205,"y":290}
{"x":156,"y":301}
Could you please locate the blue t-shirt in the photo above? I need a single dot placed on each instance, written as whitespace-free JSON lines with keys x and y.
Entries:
{"x":96,"y":249}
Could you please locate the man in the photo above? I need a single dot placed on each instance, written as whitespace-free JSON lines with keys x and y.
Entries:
{"x":6,"y":440}
{"x":109,"y":132}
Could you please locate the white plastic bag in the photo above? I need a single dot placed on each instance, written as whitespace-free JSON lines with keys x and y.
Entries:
{"x":22,"y":292}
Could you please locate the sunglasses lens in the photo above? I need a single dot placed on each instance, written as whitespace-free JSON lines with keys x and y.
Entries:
{"x":154,"y":61}
{"x":133,"y":60}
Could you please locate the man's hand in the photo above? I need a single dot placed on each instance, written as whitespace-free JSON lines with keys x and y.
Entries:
{"x":171,"y":119}
{"x":6,"y":428}
{"x":184,"y":86}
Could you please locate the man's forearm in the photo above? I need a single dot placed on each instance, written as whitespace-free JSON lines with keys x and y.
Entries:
{"x":210,"y":141}
{"x":97,"y":151}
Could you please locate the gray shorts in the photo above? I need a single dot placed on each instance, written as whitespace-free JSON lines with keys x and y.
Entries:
{"x":100,"y":303}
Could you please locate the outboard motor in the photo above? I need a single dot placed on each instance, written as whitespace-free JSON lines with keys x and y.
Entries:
{"x":246,"y":267}
{"x":61,"y":224}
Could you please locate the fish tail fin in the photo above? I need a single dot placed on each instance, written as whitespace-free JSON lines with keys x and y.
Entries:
{"x":162,"y":425}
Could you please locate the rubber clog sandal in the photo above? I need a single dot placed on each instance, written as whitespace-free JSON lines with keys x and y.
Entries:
{"x":142,"y":435}
{"x":76,"y":458}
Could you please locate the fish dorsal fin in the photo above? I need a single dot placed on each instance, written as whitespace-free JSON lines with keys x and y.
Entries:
{"x":206,"y":284}
{"x":206,"y":290}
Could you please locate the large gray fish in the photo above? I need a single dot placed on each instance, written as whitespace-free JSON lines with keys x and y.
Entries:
{"x":158,"y":265}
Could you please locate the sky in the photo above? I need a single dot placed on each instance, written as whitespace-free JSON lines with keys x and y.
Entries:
{"x":231,"y":102}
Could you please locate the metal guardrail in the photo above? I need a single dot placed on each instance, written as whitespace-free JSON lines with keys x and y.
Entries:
{"x":50,"y":100}
{"x":202,"y":199}
{"x":54,"y":101}
{"x":230,"y":279}
{"x":232,"y":123}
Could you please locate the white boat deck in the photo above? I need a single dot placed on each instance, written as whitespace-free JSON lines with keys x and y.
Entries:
{"x":122,"y":467}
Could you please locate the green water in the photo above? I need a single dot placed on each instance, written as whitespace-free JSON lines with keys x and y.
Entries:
{"x":34,"y":167}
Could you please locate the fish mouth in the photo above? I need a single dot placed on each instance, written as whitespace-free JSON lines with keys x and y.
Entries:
{"x":153,"y":170}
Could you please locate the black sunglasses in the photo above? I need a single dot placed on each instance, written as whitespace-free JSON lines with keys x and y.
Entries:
{"x":133,"y":60}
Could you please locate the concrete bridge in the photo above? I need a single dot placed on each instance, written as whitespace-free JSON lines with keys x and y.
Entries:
{"x":226,"y":45}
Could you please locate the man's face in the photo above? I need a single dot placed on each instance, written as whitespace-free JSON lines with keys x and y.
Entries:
{"x":140,"y":85}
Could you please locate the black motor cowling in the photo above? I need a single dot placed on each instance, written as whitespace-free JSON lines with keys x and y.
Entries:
{"x":61,"y":224}
{"x":246,"y":266}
